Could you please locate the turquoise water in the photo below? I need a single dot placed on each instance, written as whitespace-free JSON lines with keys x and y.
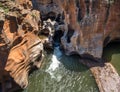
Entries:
{"x":61,"y":73}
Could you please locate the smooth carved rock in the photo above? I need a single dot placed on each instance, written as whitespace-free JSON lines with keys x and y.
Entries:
{"x":97,"y":23}
{"x":89,"y":24}
{"x":20,"y":47}
{"x":22,"y":57}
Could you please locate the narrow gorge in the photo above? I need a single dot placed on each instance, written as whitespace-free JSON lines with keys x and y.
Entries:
{"x":59,"y":45}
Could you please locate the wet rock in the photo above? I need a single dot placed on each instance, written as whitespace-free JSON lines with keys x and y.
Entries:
{"x":48,"y":30}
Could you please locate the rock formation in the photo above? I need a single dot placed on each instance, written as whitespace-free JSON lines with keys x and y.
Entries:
{"x":105,"y":75}
{"x":84,"y":27}
{"x":89,"y":24}
{"x":20,"y":47}
{"x":22,"y":57}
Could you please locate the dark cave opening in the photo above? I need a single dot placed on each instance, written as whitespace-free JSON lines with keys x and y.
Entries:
{"x":50,"y":15}
{"x":110,"y":49}
{"x":57,"y":37}
{"x":70,"y":33}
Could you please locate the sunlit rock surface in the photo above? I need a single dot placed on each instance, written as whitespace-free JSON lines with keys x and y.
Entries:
{"x":22,"y":57}
{"x":20,"y":47}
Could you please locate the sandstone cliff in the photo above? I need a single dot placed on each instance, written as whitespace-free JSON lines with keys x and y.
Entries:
{"x":89,"y":24}
{"x":20,"y":47}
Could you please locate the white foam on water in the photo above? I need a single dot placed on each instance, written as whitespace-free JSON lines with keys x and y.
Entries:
{"x":55,"y":62}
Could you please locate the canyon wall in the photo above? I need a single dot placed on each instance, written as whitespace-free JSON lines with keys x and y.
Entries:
{"x":88,"y":25}
{"x":20,"y":47}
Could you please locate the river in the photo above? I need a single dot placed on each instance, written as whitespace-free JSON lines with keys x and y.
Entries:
{"x":61,"y":73}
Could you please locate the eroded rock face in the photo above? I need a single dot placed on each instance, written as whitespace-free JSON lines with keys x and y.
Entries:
{"x":10,"y":29}
{"x":33,"y":20}
{"x":27,"y":4}
{"x":89,"y":20}
{"x":87,"y":24}
{"x":20,"y":47}
{"x":22,"y":57}
{"x":48,"y":8}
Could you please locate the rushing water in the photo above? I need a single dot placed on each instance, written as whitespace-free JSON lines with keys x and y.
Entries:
{"x":112,"y":54}
{"x":61,"y":73}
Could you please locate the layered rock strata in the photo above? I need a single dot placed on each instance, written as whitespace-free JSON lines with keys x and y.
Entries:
{"x":20,"y":47}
